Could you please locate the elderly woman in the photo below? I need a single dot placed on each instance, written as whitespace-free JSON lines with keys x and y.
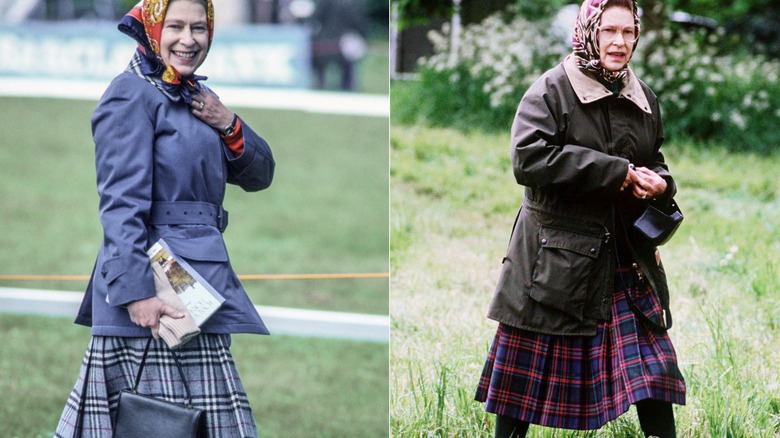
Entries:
{"x":165,"y":147}
{"x":581,"y":298}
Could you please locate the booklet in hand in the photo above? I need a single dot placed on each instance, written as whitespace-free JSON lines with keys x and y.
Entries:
{"x":174,"y":277}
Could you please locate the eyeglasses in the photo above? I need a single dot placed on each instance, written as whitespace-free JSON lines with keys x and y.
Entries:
{"x":610,"y":33}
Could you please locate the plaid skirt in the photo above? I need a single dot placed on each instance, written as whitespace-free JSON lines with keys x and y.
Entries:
{"x":582,"y":382}
{"x":113,"y":364}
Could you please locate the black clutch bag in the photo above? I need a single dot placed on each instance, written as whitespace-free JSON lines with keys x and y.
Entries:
{"x":141,"y":416}
{"x":659,"y":225}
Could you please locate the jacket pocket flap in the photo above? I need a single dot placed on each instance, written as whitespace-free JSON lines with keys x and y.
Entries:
{"x":582,"y":244}
{"x":112,"y":269}
{"x":202,"y":248}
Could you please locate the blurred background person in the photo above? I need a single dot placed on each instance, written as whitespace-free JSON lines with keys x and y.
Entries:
{"x":338,"y":31}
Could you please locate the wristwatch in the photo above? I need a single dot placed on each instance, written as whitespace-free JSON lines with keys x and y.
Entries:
{"x":231,"y":128}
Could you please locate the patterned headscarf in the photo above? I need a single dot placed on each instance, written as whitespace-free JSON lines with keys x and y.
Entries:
{"x":144,"y":24}
{"x":585,"y":40}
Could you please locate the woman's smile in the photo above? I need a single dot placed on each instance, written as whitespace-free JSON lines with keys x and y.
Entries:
{"x":184,"y":55}
{"x":184,"y":40}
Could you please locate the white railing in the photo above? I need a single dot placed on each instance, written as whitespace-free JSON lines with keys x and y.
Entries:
{"x":280,"y":320}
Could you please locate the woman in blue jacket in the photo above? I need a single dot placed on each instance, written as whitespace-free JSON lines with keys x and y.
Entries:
{"x":165,"y":147}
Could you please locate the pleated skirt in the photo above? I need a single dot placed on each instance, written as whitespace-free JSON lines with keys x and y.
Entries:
{"x":583,"y":382}
{"x":113,"y":364}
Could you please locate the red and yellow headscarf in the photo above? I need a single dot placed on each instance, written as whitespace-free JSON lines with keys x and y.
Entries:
{"x":144,"y":23}
{"x":585,"y":40}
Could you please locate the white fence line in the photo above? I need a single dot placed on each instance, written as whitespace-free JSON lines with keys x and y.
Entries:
{"x":323,"y":102}
{"x":280,"y":320}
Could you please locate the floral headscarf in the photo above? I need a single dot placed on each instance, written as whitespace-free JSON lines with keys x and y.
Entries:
{"x":585,"y":40}
{"x":144,"y":24}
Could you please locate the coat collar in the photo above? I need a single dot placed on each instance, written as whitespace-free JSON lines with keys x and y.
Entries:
{"x":589,"y":90}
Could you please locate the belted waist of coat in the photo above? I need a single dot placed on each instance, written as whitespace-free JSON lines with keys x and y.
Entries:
{"x":188,"y":213}
{"x":583,"y":217}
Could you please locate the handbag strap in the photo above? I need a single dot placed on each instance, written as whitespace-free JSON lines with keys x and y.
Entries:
{"x":664,"y":301}
{"x":651,"y":325}
{"x":178,"y":366}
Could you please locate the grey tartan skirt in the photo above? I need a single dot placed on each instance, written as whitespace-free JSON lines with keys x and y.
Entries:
{"x":113,"y":364}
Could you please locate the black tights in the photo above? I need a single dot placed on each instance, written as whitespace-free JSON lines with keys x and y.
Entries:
{"x":508,"y":427}
{"x":655,"y":417}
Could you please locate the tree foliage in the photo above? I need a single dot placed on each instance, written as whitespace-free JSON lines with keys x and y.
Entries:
{"x":415,"y":11}
{"x":726,"y":12}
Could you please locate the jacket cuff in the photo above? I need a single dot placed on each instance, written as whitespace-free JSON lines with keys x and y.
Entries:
{"x":127,"y":279}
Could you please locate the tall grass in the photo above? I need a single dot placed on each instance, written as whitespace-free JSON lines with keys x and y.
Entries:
{"x":452,"y":207}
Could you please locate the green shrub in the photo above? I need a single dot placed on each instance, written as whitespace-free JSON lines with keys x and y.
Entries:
{"x":727,"y":98}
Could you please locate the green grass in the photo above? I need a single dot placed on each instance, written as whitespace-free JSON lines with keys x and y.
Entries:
{"x":327,"y":211}
{"x":452,"y":206}
{"x":297,"y":387}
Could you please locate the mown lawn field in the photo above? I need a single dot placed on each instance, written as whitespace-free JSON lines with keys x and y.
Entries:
{"x":326,"y":212}
{"x":453,"y":202}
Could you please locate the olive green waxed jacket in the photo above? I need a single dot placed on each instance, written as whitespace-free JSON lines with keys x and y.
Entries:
{"x":572,"y":141}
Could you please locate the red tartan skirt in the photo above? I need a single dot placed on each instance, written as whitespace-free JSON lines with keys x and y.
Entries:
{"x":582,"y":382}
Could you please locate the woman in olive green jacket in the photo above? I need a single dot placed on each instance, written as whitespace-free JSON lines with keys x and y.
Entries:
{"x":570,"y":352}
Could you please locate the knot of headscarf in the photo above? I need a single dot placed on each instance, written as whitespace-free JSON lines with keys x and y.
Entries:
{"x":585,"y":40}
{"x":144,"y":24}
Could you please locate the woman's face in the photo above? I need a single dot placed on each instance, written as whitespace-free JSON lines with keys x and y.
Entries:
{"x":617,"y":26}
{"x":184,"y":39}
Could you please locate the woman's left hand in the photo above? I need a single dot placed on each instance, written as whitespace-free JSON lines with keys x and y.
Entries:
{"x":208,"y":108}
{"x":649,"y":185}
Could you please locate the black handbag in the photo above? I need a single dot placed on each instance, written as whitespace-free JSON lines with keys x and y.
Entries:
{"x":658,"y":225}
{"x":141,"y":416}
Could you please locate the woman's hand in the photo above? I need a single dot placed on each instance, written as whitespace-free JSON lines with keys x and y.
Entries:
{"x":648,"y":184}
{"x":631,"y":177}
{"x":147,"y":313}
{"x":208,"y":108}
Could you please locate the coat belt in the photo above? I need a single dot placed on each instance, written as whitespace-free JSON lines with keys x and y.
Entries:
{"x":188,"y":213}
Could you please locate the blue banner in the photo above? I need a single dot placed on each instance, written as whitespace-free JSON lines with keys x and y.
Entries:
{"x":257,"y":55}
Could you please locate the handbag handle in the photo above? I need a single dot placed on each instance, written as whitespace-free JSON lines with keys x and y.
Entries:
{"x":178,"y":366}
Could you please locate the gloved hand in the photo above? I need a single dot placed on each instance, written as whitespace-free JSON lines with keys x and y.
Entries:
{"x":174,"y":331}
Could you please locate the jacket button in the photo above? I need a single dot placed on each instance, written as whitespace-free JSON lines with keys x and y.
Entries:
{"x":604,"y":301}
{"x":103,"y":273}
{"x":544,"y":241}
{"x":593,"y":250}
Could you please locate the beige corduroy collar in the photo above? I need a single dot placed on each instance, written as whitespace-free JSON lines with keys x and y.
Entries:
{"x":589,"y":90}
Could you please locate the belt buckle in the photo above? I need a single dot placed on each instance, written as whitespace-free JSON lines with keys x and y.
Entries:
{"x":222,"y":219}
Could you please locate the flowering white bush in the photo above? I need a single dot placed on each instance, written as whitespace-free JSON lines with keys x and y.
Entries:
{"x":508,"y":55}
{"x":707,"y":90}
{"x":705,"y":94}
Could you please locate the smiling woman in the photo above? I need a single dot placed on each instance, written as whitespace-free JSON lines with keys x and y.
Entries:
{"x":165,"y":147}
{"x":185,"y":36}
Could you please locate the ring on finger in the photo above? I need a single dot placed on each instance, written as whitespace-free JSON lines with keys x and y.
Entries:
{"x":201,"y":105}
{"x":644,"y":195}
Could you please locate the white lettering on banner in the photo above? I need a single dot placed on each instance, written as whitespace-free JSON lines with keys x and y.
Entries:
{"x":274,"y":57}
{"x":77,"y":57}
